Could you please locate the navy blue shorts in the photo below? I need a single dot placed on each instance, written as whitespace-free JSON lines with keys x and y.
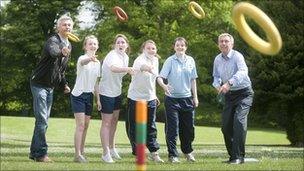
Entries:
{"x":82,"y":103}
{"x":109,"y":104}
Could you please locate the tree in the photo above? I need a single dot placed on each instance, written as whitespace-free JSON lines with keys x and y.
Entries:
{"x":163,"y":21}
{"x":278,"y":80}
{"x":25,"y":25}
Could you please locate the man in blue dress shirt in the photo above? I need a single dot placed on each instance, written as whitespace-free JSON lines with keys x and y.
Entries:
{"x":230,"y":74}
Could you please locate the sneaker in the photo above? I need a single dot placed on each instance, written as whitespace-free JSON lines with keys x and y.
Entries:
{"x":173,"y":159}
{"x":114,"y":154}
{"x":107,"y":158}
{"x":80,"y":159}
{"x":31,"y":157}
{"x":44,"y":159}
{"x":155,"y":157}
{"x":190,"y":157}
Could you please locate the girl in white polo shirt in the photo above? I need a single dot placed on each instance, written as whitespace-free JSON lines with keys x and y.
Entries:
{"x":142,"y":87}
{"x":88,"y":70}
{"x":114,"y":67}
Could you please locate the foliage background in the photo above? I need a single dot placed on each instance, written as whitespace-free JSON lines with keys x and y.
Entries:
{"x":277,"y":80}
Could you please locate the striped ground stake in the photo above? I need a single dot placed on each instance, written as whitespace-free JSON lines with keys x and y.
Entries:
{"x":141,"y":134}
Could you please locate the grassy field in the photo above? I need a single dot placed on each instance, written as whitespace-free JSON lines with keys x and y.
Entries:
{"x":269,"y":146}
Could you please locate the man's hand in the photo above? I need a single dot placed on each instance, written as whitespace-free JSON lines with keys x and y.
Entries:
{"x":65,"y":51}
{"x":224,"y":88}
{"x":66,"y":89}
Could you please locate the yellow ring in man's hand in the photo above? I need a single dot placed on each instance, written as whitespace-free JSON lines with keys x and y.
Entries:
{"x":72,"y":37}
{"x":275,"y":41}
{"x":196,"y":10}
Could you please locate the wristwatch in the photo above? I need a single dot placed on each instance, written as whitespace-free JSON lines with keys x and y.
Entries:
{"x":230,"y":84}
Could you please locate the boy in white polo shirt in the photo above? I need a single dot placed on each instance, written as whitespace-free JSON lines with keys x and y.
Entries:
{"x":142,"y":87}
{"x":88,"y":70}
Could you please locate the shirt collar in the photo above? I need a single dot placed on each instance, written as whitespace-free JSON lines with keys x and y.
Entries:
{"x":229,"y":55}
{"x":177,"y":58}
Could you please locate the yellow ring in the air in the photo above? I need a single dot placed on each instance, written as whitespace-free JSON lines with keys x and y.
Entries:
{"x":275,"y":41}
{"x":196,"y":10}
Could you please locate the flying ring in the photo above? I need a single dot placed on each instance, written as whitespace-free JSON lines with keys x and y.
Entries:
{"x":120,"y":13}
{"x":196,"y":10}
{"x":274,"y":44}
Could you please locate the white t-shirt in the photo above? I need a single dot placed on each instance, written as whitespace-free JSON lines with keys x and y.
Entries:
{"x":86,"y":76}
{"x":111,"y":83}
{"x":142,"y":86}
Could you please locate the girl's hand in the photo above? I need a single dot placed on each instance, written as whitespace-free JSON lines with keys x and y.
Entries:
{"x":131,"y":71}
{"x":157,"y":102}
{"x":195,"y":102}
{"x":167,"y":88}
{"x":147,"y":68}
{"x":98,"y":105}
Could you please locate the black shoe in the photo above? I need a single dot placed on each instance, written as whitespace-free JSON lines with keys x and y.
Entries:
{"x":227,"y":161}
{"x":236,"y":161}
{"x":31,"y":157}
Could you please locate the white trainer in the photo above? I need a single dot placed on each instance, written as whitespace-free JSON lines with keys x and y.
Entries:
{"x":114,"y":154}
{"x":107,"y":158}
{"x":173,"y":159}
{"x":155,"y":157}
{"x":80,"y":159}
{"x":190,"y":157}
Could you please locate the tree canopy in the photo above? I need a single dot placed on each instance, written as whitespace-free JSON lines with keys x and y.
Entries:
{"x":277,"y":80}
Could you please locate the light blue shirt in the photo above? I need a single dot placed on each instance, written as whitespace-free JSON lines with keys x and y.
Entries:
{"x":231,"y":68}
{"x":179,"y":73}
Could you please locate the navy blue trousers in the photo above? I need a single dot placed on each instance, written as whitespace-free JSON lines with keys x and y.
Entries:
{"x":234,"y":121}
{"x":179,"y":122}
{"x":151,"y":143}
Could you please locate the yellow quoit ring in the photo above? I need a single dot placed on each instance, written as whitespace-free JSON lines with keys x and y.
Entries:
{"x":72,"y":37}
{"x":196,"y":10}
{"x":275,"y":41}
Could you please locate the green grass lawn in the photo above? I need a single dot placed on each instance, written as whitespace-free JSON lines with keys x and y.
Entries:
{"x":269,"y":146}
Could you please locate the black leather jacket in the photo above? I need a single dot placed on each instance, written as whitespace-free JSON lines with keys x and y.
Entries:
{"x":50,"y":71}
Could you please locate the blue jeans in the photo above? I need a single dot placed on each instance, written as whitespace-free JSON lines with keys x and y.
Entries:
{"x":42,"y":103}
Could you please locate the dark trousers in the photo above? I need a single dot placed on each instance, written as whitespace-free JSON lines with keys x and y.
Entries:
{"x":234,"y":121}
{"x":151,"y":143}
{"x":179,"y":121}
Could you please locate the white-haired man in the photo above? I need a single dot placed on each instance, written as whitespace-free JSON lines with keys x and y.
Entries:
{"x":49,"y":74}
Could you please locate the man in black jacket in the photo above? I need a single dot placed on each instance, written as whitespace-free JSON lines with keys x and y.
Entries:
{"x":49,"y":74}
